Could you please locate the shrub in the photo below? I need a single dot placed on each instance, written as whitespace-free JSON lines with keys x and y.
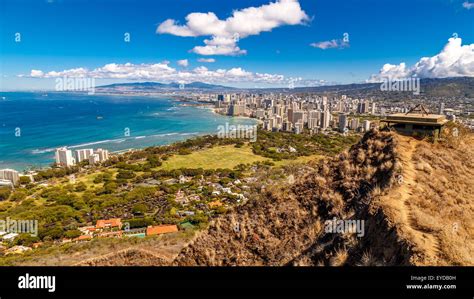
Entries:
{"x":184,"y":151}
{"x":18,"y":195}
{"x":139,"y":209}
{"x":25,"y":180}
{"x":25,"y":239}
{"x":110,"y":187}
{"x":73,"y":233}
{"x":80,"y":187}
{"x":4,"y":193}
{"x":125,"y":174}
{"x":55,"y":232}
{"x":139,"y":222}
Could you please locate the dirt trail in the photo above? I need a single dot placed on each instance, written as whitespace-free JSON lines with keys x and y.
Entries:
{"x":400,"y":198}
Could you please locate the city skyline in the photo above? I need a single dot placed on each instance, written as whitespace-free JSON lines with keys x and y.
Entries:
{"x":246,"y":44}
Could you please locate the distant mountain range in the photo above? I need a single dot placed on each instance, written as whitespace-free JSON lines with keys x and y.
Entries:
{"x":150,"y":86}
{"x":441,"y":87}
{"x":437,"y":87}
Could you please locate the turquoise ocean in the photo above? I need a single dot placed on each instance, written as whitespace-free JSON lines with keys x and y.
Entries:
{"x":33,"y":125}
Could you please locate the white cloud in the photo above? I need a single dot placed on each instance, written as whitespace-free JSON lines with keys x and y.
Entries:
{"x":206,"y":60}
{"x":455,"y":60}
{"x":468,"y":5}
{"x":183,"y":63}
{"x":36,"y":73}
{"x":330,"y":44}
{"x":242,"y":23}
{"x":220,"y":46}
{"x":162,"y":72}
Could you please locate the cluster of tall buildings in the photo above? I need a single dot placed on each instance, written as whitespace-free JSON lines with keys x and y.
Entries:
{"x":290,"y":113}
{"x":66,"y":158}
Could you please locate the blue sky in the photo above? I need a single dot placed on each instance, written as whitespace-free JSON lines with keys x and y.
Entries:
{"x":63,"y":35}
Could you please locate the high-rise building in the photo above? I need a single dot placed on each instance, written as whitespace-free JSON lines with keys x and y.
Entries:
{"x":64,"y":157}
{"x":342,"y":122}
{"x":277,"y":110}
{"x":94,"y":159}
{"x":298,"y":127}
{"x":354,"y":124}
{"x":312,"y":123}
{"x":260,"y":113}
{"x":326,"y":119}
{"x":314,"y":114}
{"x":281,"y":111}
{"x":298,"y":116}
{"x":441,"y":108}
{"x":267,"y":103}
{"x":103,"y":154}
{"x":236,"y":109}
{"x":290,"y":115}
{"x":83,"y":154}
{"x":360,"y":108}
{"x":287,"y":126}
{"x":10,"y":175}
{"x":366,"y":125}
{"x":373,"y":108}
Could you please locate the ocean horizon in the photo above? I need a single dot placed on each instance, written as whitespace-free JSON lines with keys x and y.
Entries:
{"x":34,"y":124}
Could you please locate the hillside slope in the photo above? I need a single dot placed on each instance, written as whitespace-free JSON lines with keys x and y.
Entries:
{"x":415,"y":198}
{"x":433,"y":207}
{"x":286,"y":226}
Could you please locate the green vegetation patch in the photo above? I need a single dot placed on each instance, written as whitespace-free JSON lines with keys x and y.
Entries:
{"x":227,"y":156}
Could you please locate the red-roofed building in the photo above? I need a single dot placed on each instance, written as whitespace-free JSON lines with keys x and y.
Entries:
{"x":161,"y":229}
{"x":109,"y":223}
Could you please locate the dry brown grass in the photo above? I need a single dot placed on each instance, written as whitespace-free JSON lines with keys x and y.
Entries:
{"x":443,"y":202}
{"x":434,"y":207}
{"x":368,"y":259}
{"x":339,"y":257}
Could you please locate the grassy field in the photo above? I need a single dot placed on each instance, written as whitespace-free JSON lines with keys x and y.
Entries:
{"x":88,"y":179}
{"x":226,"y":156}
{"x":217,"y":157}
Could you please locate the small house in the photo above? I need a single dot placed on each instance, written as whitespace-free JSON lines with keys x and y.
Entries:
{"x":161,"y":229}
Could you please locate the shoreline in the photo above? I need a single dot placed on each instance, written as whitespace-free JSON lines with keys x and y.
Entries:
{"x":23,"y":167}
{"x":112,"y":153}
